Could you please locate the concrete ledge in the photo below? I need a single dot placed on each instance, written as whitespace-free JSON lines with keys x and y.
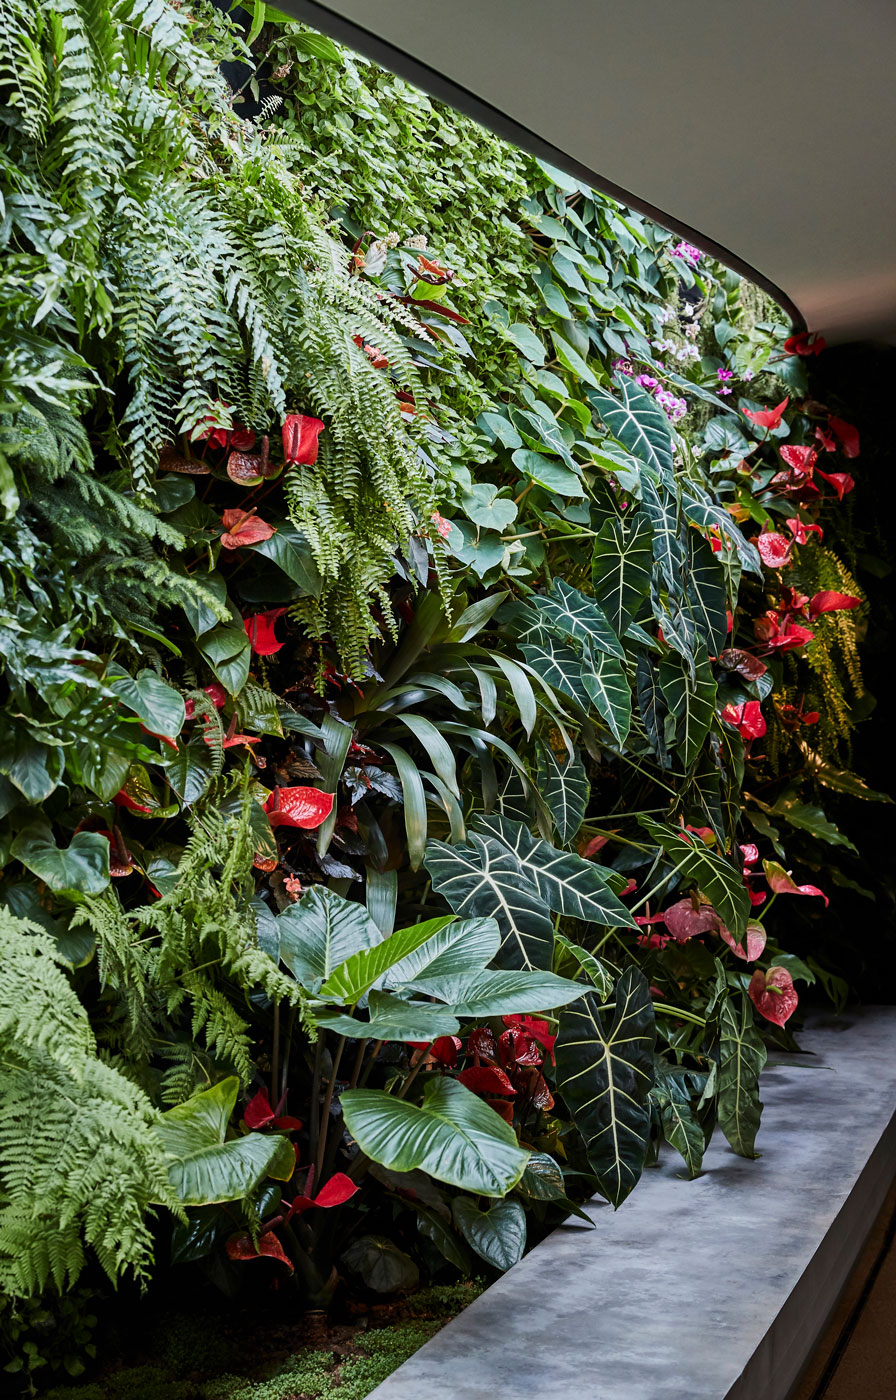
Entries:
{"x":715,"y":1289}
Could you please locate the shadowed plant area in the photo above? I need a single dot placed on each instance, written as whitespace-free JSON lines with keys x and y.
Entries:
{"x":431,"y":609}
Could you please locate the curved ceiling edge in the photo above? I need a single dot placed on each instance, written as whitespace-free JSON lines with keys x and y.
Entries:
{"x":453,"y":94}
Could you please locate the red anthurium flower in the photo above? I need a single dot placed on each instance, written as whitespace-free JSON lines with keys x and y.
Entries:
{"x":846,"y":435}
{"x":260,"y":631}
{"x":433,"y":271}
{"x":651,"y":940}
{"x":827,"y":601}
{"x":773,"y":994}
{"x":800,"y":459}
{"x":339,"y":1189}
{"x":446,"y":1050}
{"x":535,"y":1029}
{"x":792,"y":601}
{"x":481,"y":1044}
{"x":502,"y":1108}
{"x":757,"y":897}
{"x":747,"y":719}
{"x":842,"y":482}
{"x":743,"y":663}
{"x":244,"y":527}
{"x":755,"y":941}
{"x":767,"y":417}
{"x":684,"y":921}
{"x":306,"y":807}
{"x":269,"y":1247}
{"x":801,"y":532}
{"x":217,"y":694}
{"x":259,"y":1114}
{"x":781,"y":882}
{"x":486,"y":1079}
{"x":591,"y":848}
{"x":774,"y":550}
{"x":124,"y":799}
{"x":300,"y":438}
{"x":825,"y":440}
{"x":750,"y":853}
{"x":805,"y":343}
{"x":516,"y":1048}
{"x":780,"y":634}
{"x":534,"y":1085}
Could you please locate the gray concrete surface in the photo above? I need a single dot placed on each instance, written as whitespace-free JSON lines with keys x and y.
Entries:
{"x":715,"y":1289}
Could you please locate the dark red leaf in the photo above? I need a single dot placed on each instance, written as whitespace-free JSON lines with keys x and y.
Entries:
{"x":482,"y":1042}
{"x":269,"y":1247}
{"x":486,"y":1079}
{"x":743,"y":663}
{"x":535,"y":1029}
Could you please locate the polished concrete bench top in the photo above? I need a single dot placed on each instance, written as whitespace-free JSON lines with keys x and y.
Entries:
{"x":713,"y":1289}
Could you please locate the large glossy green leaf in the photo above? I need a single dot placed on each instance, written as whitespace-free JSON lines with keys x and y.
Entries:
{"x":157,"y":705}
{"x":476,"y":995}
{"x":564,"y":787}
{"x":229,"y":653}
{"x":82,"y":867}
{"x":458,"y":947}
{"x":561,"y":664}
{"x":483,"y":879}
{"x":291,"y":552}
{"x":452,"y":1135}
{"x":34,"y":768}
{"x":354,"y":977}
{"x":690,"y":700}
{"x":320,"y":931}
{"x":393,"y":1018}
{"x":564,"y":609}
{"x":547,"y":472}
{"x":621,"y":566}
{"x":638,"y":422}
{"x":203,"y":1168}
{"x":604,"y":1061}
{"x":609,"y":692}
{"x":567,"y":883}
{"x":498,"y":1234}
{"x":742,"y":1059}
{"x":708,"y":595}
{"x":720,"y":881}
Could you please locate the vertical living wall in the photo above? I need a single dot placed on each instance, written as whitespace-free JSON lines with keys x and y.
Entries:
{"x":399,"y":536}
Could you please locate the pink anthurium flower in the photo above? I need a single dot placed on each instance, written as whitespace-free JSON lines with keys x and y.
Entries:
{"x":773,"y":994}
{"x":767,"y":417}
{"x":774,"y":549}
{"x":244,"y":527}
{"x":801,"y":531}
{"x":781,"y":882}
{"x":260,"y":631}
{"x":300,"y":438}
{"x":306,"y":807}
{"x":827,"y":601}
{"x":684,"y":921}
{"x":747,"y":719}
{"x":755,"y":941}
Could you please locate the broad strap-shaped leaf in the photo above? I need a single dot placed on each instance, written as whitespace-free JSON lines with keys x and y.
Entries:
{"x":663,"y":511}
{"x":742,"y":1060}
{"x":452,"y":1135}
{"x":462,"y":944}
{"x":561,"y":664}
{"x":476,"y":995}
{"x":483,"y":879}
{"x":604,"y":1058}
{"x":563,"y":784}
{"x":320,"y":931}
{"x":702,"y":510}
{"x":567,"y":883}
{"x":652,"y":707}
{"x":621,"y":566}
{"x":438,"y":749}
{"x":354,"y":977}
{"x":609,"y":692}
{"x":692,"y":702}
{"x":566,"y":610}
{"x":498,"y":1235}
{"x":707,"y":594}
{"x":202,"y":1167}
{"x":716,"y":877}
{"x":392,"y":1018}
{"x":638,"y":422}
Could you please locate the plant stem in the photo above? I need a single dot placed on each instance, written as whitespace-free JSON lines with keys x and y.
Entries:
{"x":314,"y":1125}
{"x":377,"y":1047}
{"x":275,"y":1052}
{"x":411,"y":1077}
{"x":359,"y":1059}
{"x":284,"y":1077}
{"x":325,"y":1112}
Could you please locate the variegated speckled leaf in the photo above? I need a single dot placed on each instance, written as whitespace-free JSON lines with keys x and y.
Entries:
{"x":563,"y":784}
{"x":690,"y":700}
{"x":569,"y":612}
{"x":483,"y":879}
{"x":604,"y":1059}
{"x":638,"y":422}
{"x":621,"y":566}
{"x":567,"y":883}
{"x":608,"y":688}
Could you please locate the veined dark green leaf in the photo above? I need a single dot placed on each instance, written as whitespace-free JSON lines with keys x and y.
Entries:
{"x":81,"y":867}
{"x":483,"y":879}
{"x":679,"y":1123}
{"x":569,"y":612}
{"x":607,"y":685}
{"x":743,"y":1057}
{"x":676,"y":624}
{"x":638,"y":423}
{"x":621,"y":567}
{"x":707,"y":594}
{"x":691,"y":701}
{"x":571,"y":958}
{"x":567,"y":883}
{"x":720,"y":881}
{"x":498,"y":1235}
{"x":808,"y":818}
{"x":702,"y":511}
{"x":652,"y":707}
{"x":548,"y":473}
{"x":561,"y":665}
{"x":563,"y":784}
{"x":452,"y":1135}
{"x":605,"y":1071}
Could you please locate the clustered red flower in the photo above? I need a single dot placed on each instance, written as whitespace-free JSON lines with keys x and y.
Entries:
{"x":500,"y":1068}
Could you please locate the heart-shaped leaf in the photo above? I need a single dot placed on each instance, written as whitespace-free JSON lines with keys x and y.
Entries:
{"x":498,"y":1235}
{"x":81,"y":867}
{"x":621,"y":566}
{"x":158,"y":706}
{"x":320,"y":931}
{"x":202,"y":1167}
